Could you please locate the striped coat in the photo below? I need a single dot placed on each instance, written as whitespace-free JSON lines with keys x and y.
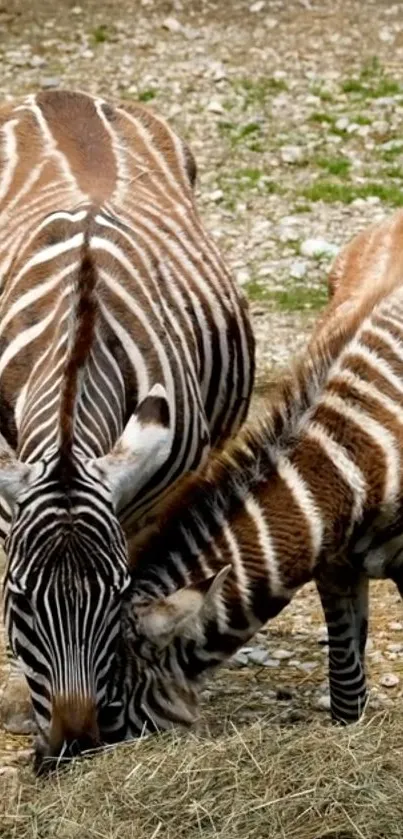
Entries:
{"x":314,"y":492}
{"x":126,"y":351}
{"x":110,"y":285}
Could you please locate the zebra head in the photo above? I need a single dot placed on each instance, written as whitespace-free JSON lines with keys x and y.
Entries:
{"x":67,"y":569}
{"x":167,"y":645}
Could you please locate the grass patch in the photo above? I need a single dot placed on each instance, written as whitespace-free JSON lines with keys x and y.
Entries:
{"x":321,"y":117}
{"x":335,"y":165}
{"x":296,"y":298}
{"x":392,"y":153}
{"x":257,"y":91}
{"x":248,"y":133}
{"x":372,"y":82}
{"x":304,"y":781}
{"x":101,"y":34}
{"x":330,"y":191}
{"x":147,"y":95}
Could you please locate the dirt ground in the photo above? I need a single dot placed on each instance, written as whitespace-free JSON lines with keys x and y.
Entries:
{"x":293,"y":110}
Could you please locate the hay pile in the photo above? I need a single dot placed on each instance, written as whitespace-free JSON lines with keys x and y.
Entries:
{"x":309,"y":782}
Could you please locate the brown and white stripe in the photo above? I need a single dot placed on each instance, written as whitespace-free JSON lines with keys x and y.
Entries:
{"x":314,"y":493}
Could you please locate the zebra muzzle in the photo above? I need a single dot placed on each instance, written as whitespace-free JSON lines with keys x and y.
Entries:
{"x":73,"y":730}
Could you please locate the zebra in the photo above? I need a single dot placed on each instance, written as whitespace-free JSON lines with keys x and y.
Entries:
{"x":126,"y":352}
{"x":313,"y":492}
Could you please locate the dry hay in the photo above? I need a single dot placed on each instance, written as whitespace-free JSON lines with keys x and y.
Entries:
{"x":306,"y":781}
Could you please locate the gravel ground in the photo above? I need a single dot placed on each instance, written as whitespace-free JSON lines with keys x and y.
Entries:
{"x":293,"y":110}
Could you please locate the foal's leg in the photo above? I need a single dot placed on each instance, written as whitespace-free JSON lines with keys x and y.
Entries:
{"x":347,"y":621}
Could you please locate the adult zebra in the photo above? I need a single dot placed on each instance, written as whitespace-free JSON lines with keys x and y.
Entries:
{"x":125,"y":353}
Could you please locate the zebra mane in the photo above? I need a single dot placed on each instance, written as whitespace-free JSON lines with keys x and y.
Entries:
{"x":83,"y":330}
{"x":252,"y":456}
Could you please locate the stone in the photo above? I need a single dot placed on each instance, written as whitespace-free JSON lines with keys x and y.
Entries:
{"x":281,"y":654}
{"x":322,"y":703}
{"x":216,"y":195}
{"x":298,"y":269}
{"x":172,"y":24}
{"x":243,"y":276}
{"x":215,"y":107}
{"x":342,"y":123}
{"x":318,"y":247}
{"x":50,"y":81}
{"x":257,"y":6}
{"x":292,"y":154}
{"x":395,"y":626}
{"x":389,"y":680}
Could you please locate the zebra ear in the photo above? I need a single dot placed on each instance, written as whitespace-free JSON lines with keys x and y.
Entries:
{"x":180,"y":613}
{"x":141,"y":450}
{"x":15,"y":475}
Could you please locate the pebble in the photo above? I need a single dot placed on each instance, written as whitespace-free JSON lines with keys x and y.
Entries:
{"x":389,"y":680}
{"x":215,"y":107}
{"x":322,"y":703}
{"x":395,"y":626}
{"x":307,"y":666}
{"x":281,"y":654}
{"x":298,"y":269}
{"x":216,"y":195}
{"x":318,"y":248}
{"x":257,"y":6}
{"x":243,"y":276}
{"x":260,"y":656}
{"x":292,"y":154}
{"x":50,"y":81}
{"x":172,"y":24}
{"x":342,"y":123}
{"x":38,"y":61}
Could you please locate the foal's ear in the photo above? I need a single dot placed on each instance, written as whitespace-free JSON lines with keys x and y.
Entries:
{"x":179,"y":613}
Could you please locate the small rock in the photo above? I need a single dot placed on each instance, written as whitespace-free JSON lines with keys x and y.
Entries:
{"x":395,"y":648}
{"x":298,"y":270}
{"x":172,"y":24}
{"x":389,"y":680}
{"x":395,"y":626}
{"x":318,"y":248}
{"x":215,"y":107}
{"x":38,"y":61}
{"x":216,"y":195}
{"x":307,"y":666}
{"x":243,"y":276}
{"x":50,"y":81}
{"x":292,"y":154}
{"x":281,"y":655}
{"x":271,"y":23}
{"x":288,"y":234}
{"x":322,"y":703}
{"x":260,"y":656}
{"x":342,"y":123}
{"x":257,"y":6}
{"x":239,"y":659}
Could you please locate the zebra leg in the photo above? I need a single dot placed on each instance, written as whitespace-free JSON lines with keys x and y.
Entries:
{"x":347,"y":621}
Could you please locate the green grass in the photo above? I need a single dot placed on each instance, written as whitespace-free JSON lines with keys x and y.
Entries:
{"x":257,"y":91}
{"x":372,"y":82}
{"x":330,"y":191}
{"x":296,"y":298}
{"x":248,"y":133}
{"x":321,"y":116}
{"x":147,"y":95}
{"x":101,"y":34}
{"x":335,"y":165}
{"x":390,"y":154}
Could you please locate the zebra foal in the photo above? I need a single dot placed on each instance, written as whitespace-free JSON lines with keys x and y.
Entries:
{"x":125,"y":353}
{"x":314,"y":492}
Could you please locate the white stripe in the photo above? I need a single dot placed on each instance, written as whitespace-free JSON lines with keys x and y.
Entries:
{"x":305,"y":500}
{"x":380,"y":435}
{"x":255,"y":511}
{"x":373,"y":360}
{"x":10,"y":148}
{"x":238,"y":566}
{"x":350,"y":472}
